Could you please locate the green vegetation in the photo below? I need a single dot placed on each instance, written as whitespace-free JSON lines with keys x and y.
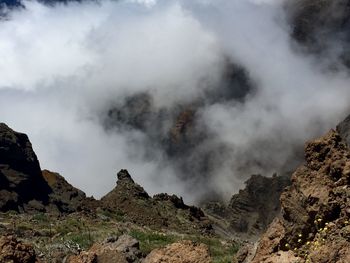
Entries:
{"x":78,"y":231}
{"x":221,"y":251}
{"x":152,"y":240}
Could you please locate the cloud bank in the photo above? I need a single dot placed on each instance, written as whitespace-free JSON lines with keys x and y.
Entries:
{"x":63,"y":66}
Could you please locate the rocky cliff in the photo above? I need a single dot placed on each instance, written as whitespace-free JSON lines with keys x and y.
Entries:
{"x":24,"y":187}
{"x":21,"y":183}
{"x":250,"y":211}
{"x":314,"y":226}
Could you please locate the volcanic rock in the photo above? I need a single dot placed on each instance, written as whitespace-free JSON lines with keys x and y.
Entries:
{"x":12,"y":250}
{"x":64,"y":196}
{"x":20,"y":174}
{"x":314,"y":226}
{"x":180,"y":252}
{"x":24,"y":187}
{"x":162,"y":211}
{"x":124,"y":249}
{"x":252,"y":209}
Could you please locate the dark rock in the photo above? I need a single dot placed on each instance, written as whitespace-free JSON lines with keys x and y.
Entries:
{"x":317,"y":25}
{"x":249,"y":212}
{"x":64,"y":196}
{"x":20,"y":173}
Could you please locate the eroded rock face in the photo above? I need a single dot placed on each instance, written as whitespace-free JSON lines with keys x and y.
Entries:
{"x":20,"y":175}
{"x":64,"y":196}
{"x":314,"y":226}
{"x":24,"y":187}
{"x":180,"y":252}
{"x":252,"y":209}
{"x":163,"y":211}
{"x":11,"y":250}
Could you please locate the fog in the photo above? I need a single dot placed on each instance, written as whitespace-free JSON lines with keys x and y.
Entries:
{"x":64,"y":66}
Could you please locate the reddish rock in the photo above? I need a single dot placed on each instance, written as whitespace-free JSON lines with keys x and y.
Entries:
{"x":14,"y":251}
{"x":180,"y":252}
{"x":314,"y":226}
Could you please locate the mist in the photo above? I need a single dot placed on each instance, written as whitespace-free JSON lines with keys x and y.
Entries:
{"x":67,"y":68}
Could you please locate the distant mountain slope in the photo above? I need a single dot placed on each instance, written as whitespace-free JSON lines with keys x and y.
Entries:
{"x":322,"y":27}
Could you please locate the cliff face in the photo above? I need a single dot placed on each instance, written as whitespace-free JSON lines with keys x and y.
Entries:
{"x":24,"y":187}
{"x":250,"y":211}
{"x":21,"y":182}
{"x":314,"y":226}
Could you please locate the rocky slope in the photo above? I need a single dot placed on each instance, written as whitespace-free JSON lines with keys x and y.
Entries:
{"x":314,"y":226}
{"x":162,"y":211}
{"x":250,"y":211}
{"x":24,"y":187}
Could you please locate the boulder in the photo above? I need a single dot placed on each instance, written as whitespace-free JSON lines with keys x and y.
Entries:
{"x":180,"y":252}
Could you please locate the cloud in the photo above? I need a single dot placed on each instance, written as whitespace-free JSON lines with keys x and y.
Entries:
{"x":64,"y":65}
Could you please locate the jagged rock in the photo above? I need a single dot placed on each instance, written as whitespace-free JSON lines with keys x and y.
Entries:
{"x":253,"y":208}
{"x":125,"y":249}
{"x":14,"y":251}
{"x":314,"y":226}
{"x":64,"y":196}
{"x":20,"y":173}
{"x":162,"y":211}
{"x":343,"y":128}
{"x":180,"y":252}
{"x":24,"y":187}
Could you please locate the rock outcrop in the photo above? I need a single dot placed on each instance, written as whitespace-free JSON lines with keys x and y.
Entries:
{"x":21,"y":183}
{"x":252,"y":209}
{"x":24,"y":187}
{"x":131,"y":201}
{"x":124,"y":249}
{"x":180,"y":252}
{"x":65,"y":197}
{"x":314,"y":226}
{"x":12,"y":250}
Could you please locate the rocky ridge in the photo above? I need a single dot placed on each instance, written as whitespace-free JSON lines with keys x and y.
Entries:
{"x":250,"y":211}
{"x":162,"y":211}
{"x":314,"y":226}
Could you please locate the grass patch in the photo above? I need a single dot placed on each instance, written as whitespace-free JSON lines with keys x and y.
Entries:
{"x":150,"y":240}
{"x":221,"y":252}
{"x":42,"y":218}
{"x":84,"y":240}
